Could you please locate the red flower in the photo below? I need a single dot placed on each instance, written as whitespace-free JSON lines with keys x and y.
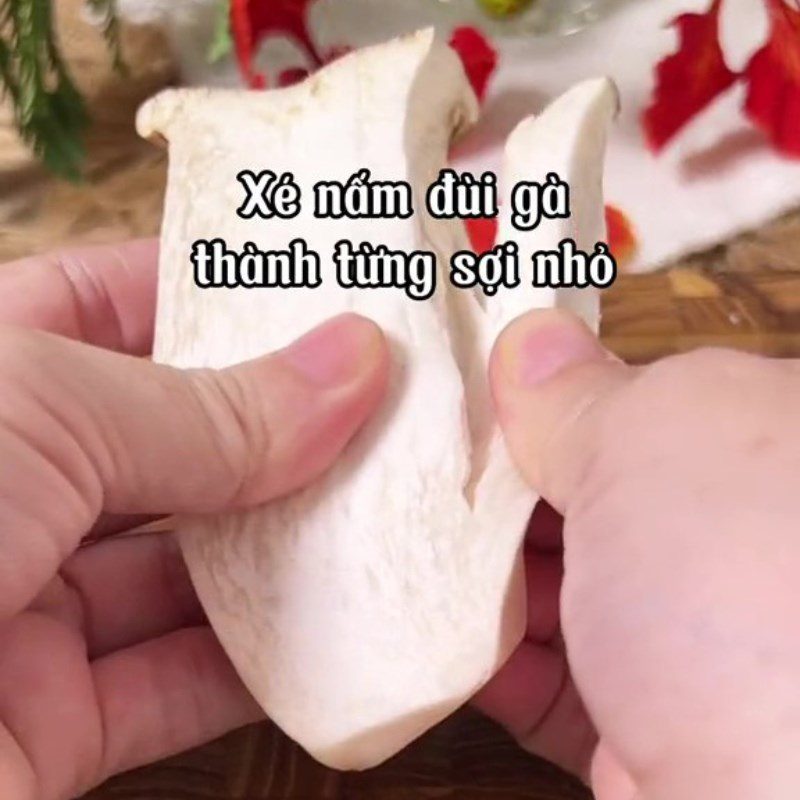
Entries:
{"x":773,"y":76}
{"x":254,"y":20}
{"x":482,"y":232}
{"x":291,"y":76}
{"x":477,"y":56}
{"x":620,"y":235}
{"x":689,"y":79}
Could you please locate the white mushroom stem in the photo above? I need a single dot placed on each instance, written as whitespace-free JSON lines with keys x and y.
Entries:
{"x":364,"y":609}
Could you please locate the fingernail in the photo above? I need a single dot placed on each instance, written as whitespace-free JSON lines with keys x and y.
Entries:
{"x":541,"y":344}
{"x":336,"y":352}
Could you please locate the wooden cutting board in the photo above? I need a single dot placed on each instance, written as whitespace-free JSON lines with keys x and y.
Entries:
{"x":467,"y":757}
{"x":694,"y":304}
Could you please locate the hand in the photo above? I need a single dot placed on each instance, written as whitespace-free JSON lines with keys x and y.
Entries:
{"x":680,"y":489}
{"x":105,"y":659}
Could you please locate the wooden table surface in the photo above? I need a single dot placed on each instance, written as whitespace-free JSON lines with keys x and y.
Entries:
{"x":467,"y":757}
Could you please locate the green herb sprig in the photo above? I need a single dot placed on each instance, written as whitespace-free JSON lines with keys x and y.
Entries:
{"x":49,"y":111}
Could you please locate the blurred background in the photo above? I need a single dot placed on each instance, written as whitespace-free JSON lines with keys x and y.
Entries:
{"x":690,"y":167}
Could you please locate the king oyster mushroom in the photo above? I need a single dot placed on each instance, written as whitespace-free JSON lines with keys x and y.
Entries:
{"x":364,"y":609}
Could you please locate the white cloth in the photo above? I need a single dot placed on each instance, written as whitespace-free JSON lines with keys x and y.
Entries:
{"x":717,"y":178}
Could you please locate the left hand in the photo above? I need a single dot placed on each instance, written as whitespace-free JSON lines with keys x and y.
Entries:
{"x":106,"y":661}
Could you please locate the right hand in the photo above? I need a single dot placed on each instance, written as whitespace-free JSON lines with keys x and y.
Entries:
{"x":679,"y":484}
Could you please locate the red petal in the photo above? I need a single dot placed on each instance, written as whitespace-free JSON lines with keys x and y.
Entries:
{"x":477,"y":55}
{"x":335,"y":52}
{"x":482,"y":232}
{"x":773,"y":77}
{"x":688,"y":80}
{"x":242,"y":31}
{"x":620,"y":235}
{"x":254,"y":20}
{"x":291,"y":76}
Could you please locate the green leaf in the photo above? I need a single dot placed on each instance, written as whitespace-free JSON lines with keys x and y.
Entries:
{"x":221,"y":42}
{"x":49,"y":111}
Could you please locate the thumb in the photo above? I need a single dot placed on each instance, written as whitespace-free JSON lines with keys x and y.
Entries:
{"x":548,"y":374}
{"x":131,"y":436}
{"x":84,"y":430}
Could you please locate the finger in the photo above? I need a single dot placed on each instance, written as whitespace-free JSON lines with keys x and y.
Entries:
{"x":113,"y":524}
{"x":543,"y":576}
{"x":548,"y":373}
{"x":545,"y":529}
{"x":102,"y":295}
{"x":533,"y":697}
{"x":83,"y":429}
{"x":165,"y":696}
{"x":131,"y":589}
{"x":72,"y":723}
{"x":609,"y":780}
{"x":526,"y":686}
